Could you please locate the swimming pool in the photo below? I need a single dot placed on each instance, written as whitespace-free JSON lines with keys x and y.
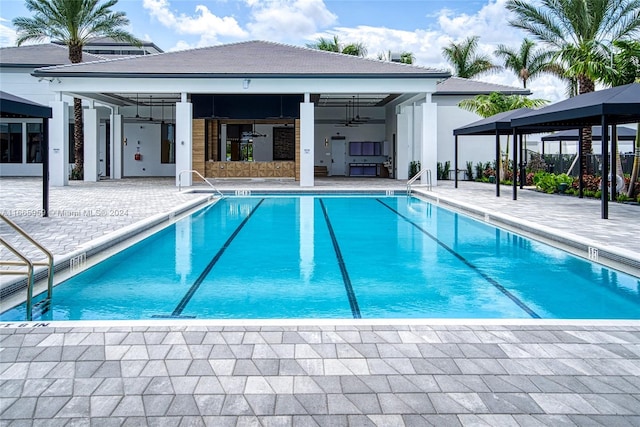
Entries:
{"x":327,"y":256}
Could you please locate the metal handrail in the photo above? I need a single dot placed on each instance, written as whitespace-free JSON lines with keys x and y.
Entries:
{"x":418,"y":175}
{"x":200,"y":175}
{"x":29,"y":264}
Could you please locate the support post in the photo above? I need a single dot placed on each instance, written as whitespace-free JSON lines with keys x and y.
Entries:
{"x":307,"y":155}
{"x":455,"y":163}
{"x":581,"y":168}
{"x":184,"y":133}
{"x":429,"y":147}
{"x":523,"y":169}
{"x":604,"y":185}
{"x":44,"y":149}
{"x":117,"y":141}
{"x":515,"y":165}
{"x":614,"y":163}
{"x":91,"y":140}
{"x":59,"y":144}
{"x":497,"y":164}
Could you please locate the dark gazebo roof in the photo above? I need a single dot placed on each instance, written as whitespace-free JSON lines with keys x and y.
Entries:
{"x":620,"y":104}
{"x":624,"y":134}
{"x":497,"y":124}
{"x":13,"y":106}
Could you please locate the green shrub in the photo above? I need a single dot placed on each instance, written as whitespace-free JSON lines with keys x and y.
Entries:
{"x":549,"y":182}
{"x":622,"y":198}
{"x":598,"y":194}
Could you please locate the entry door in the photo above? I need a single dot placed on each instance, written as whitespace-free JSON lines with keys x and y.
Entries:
{"x":338,"y":157}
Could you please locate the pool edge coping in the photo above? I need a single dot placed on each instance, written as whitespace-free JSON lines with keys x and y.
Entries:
{"x":609,"y":256}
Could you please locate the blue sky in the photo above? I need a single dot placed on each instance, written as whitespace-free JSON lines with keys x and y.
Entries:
{"x":419,"y":26}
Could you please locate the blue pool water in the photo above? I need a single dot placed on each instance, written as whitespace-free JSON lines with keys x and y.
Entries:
{"x":340,"y":257}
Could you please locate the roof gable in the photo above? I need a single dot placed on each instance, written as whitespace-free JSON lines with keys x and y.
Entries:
{"x":39,"y":55}
{"x":252,"y":58}
{"x":460,"y":86}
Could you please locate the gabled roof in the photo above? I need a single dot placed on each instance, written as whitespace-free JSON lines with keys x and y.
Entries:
{"x":39,"y":55}
{"x":108,"y":41}
{"x":498,"y":123}
{"x":460,"y":86}
{"x":624,"y":134}
{"x":246,"y":59}
{"x":14,"y":106}
{"x":620,"y":104}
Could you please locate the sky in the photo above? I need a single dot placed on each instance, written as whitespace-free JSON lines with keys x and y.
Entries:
{"x":422,"y":27}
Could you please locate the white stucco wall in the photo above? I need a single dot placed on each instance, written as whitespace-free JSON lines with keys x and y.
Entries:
{"x":146,"y":137}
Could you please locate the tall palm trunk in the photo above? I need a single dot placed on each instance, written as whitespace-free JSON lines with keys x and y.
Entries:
{"x":586,"y":85}
{"x":75,"y":56}
{"x":636,"y":165}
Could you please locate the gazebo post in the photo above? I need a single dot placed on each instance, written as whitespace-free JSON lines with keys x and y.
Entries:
{"x":455,"y":161}
{"x":580,"y":168}
{"x":604,"y":185}
{"x":523,"y":172}
{"x":497,"y":163}
{"x":44,"y":151}
{"x":515,"y":164}
{"x":614,"y":160}
{"x":560,"y":151}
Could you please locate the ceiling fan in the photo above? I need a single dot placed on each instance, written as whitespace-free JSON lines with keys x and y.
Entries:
{"x":348,"y":122}
{"x":138,"y":117}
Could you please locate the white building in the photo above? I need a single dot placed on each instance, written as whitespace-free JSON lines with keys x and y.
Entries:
{"x":251,"y":109}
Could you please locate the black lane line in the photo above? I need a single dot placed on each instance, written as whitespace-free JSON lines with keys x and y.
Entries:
{"x":468,"y":263}
{"x":353,"y":302}
{"x":192,"y":290}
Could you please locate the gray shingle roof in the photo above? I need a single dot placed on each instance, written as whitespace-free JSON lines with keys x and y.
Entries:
{"x":251,"y":58}
{"x":39,"y":55}
{"x":460,"y":86}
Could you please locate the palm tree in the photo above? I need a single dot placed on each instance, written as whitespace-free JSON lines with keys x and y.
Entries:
{"x":579,"y":33}
{"x":466,"y":61}
{"x":494,"y":103}
{"x":73,"y":22}
{"x":625,"y":69}
{"x":527,"y":62}
{"x":354,"y":49}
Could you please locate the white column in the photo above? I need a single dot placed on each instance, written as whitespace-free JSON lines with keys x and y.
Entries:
{"x":429,"y":155}
{"x":117,"y":140}
{"x":306,"y":142}
{"x":184,"y":130}
{"x":91,"y":139}
{"x":403,"y":142}
{"x":59,"y":144}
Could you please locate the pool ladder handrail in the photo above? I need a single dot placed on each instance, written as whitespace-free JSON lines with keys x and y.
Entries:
{"x":418,"y":175}
{"x":26,"y":262}
{"x":202,"y":177}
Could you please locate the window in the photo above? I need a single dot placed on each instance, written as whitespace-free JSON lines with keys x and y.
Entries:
{"x":167,"y":144}
{"x":34,"y":142}
{"x":10,"y":142}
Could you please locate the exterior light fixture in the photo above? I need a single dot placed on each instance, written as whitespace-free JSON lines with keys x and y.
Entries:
{"x":246,"y":83}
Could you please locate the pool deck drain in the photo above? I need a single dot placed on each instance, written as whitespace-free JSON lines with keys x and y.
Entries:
{"x":384,"y":373}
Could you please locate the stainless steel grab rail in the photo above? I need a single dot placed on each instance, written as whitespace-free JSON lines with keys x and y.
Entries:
{"x":200,"y":175}
{"x":26,"y":262}
{"x":418,"y":175}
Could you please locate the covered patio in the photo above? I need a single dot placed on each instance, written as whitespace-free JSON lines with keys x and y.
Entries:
{"x":222,"y":107}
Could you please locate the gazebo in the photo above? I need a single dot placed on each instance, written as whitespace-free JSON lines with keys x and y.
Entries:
{"x":12,"y":106}
{"x":498,"y":124}
{"x":608,"y":107}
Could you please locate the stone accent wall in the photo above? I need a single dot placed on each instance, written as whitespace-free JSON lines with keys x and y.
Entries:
{"x":197,"y":159}
{"x":274,"y":169}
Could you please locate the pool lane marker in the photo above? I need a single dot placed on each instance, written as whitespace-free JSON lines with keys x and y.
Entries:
{"x":192,"y":290}
{"x":353,"y":302}
{"x":468,"y":263}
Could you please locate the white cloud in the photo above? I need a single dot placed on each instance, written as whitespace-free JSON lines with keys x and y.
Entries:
{"x":287,"y":19}
{"x":7,"y":34}
{"x":208,"y":26}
